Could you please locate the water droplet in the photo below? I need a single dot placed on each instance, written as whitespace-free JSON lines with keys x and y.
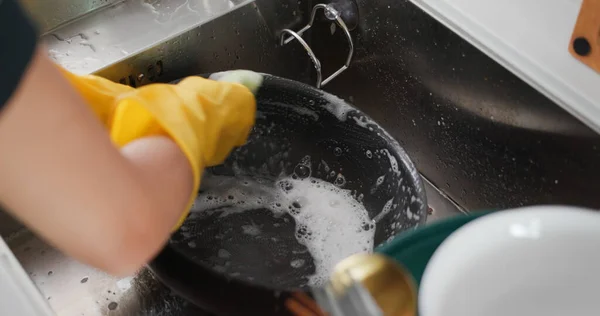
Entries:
{"x":337,"y":151}
{"x":339,"y":180}
{"x":302,"y":171}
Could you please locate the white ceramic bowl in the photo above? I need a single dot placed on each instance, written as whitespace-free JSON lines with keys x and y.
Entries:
{"x":534,"y":261}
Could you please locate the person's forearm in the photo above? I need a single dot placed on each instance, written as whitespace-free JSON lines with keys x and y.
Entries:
{"x":63,"y":177}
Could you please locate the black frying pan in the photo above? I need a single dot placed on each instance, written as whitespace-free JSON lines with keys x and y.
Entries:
{"x":293,"y":120}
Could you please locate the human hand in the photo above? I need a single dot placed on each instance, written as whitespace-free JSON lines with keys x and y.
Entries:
{"x":205,"y":118}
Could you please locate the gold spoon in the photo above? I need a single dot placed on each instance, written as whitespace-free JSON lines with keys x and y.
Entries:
{"x":368,"y":285}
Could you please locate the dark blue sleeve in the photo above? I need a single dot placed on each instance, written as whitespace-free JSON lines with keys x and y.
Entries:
{"x":17,"y":44}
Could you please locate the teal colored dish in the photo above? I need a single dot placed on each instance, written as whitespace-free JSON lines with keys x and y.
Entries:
{"x":414,"y":248}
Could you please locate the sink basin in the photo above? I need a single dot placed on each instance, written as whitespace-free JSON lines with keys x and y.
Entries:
{"x":481,"y":138}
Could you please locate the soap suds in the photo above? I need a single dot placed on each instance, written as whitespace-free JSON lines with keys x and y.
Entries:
{"x":393,"y":161}
{"x":297,"y":263}
{"x":384,"y":211}
{"x":251,"y":230}
{"x":330,"y":222}
{"x":362,"y":121}
{"x":336,"y":106}
{"x":380,"y":180}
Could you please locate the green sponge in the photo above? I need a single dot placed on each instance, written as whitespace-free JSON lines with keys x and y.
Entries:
{"x":247,"y":78}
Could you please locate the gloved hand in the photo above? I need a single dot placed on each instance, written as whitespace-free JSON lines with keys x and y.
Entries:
{"x":205,"y":118}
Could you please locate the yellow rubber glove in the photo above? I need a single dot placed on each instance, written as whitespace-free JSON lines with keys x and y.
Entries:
{"x":205,"y":118}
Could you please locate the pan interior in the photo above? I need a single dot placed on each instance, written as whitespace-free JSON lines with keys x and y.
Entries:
{"x":317,"y":181}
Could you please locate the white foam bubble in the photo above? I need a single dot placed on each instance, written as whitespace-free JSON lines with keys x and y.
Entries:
{"x":340,"y":180}
{"x":378,"y":183}
{"x":330,"y":222}
{"x":380,"y":180}
{"x":384,"y":211}
{"x":297,"y":263}
{"x":393,"y":161}
{"x":362,"y":121}
{"x":333,"y":220}
{"x":325,"y":166}
{"x":252,"y":230}
{"x":337,"y":106}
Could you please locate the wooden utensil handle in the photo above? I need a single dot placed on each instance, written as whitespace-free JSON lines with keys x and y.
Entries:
{"x":585,"y":41}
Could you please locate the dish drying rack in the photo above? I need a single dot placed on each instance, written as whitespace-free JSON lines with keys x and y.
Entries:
{"x":334,"y":15}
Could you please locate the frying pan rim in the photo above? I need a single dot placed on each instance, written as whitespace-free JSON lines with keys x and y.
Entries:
{"x":170,"y":257}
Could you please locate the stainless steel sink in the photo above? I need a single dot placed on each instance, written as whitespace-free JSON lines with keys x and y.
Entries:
{"x":482,"y":138}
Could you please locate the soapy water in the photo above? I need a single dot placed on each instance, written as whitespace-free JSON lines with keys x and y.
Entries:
{"x":290,"y":231}
{"x":329,"y":221}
